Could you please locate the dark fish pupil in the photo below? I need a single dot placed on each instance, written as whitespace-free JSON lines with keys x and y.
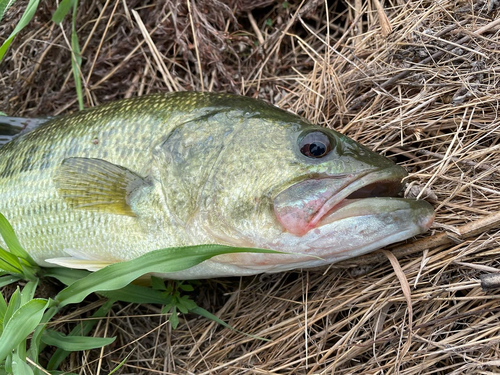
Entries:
{"x":315,"y":144}
{"x":317,"y":149}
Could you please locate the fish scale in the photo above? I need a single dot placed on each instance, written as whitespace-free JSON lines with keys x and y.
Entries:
{"x":34,"y":207}
{"x":116,"y":181}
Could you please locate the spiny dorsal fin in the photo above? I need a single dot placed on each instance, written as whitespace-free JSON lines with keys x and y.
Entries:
{"x":96,"y":185}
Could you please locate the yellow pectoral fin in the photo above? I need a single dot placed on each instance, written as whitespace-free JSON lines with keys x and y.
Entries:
{"x":97,"y":185}
{"x":81,"y":264}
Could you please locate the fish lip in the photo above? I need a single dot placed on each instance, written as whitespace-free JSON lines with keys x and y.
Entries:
{"x":422,"y":213}
{"x":393,"y":175}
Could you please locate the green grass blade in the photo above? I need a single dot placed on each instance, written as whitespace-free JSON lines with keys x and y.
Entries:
{"x":13,"y":305}
{"x":36,"y":345}
{"x":120,"y":364}
{"x":19,"y":366}
{"x":20,"y":325}
{"x":8,"y":279}
{"x":10,"y":263}
{"x":25,"y":19}
{"x":138,"y":294}
{"x":10,"y":238}
{"x":76,"y":60}
{"x":3,"y":310}
{"x":74,"y":343}
{"x":81,"y":330}
{"x":66,"y":275}
{"x":62,"y":10}
{"x":21,"y":350}
{"x":117,"y":276}
{"x":28,"y":292}
{"x":4,"y":7}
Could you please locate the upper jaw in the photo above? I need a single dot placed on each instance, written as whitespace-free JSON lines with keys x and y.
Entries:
{"x":302,"y":206}
{"x":381,"y":183}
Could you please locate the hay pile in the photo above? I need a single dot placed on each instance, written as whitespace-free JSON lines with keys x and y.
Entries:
{"x":417,"y":81}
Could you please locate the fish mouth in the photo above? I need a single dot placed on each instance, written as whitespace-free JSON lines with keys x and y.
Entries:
{"x":313,"y":203}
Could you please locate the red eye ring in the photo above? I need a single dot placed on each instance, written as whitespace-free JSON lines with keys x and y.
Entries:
{"x":315,"y":145}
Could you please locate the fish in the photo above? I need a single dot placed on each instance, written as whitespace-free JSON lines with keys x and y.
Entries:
{"x":113,"y":182}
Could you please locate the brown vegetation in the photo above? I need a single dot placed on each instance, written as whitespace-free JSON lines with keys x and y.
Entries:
{"x":415,"y":80}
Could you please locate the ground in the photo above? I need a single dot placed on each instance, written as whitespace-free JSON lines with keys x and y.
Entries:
{"x":416,"y":81}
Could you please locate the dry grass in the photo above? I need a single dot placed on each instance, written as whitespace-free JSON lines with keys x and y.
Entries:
{"x":426,"y":94}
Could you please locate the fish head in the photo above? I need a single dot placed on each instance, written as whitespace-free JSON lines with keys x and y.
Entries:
{"x":269,"y":179}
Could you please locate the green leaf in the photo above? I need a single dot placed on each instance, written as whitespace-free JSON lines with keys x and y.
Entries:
{"x":20,"y":350}
{"x":8,"y":364}
{"x":120,"y":364}
{"x":4,"y":7}
{"x":10,"y":238}
{"x":3,"y":310}
{"x":28,"y":292}
{"x":19,"y":366}
{"x":138,"y":294}
{"x":181,"y":308}
{"x":3,"y":307}
{"x":82,"y":329}
{"x":8,"y":279}
{"x":10,"y":263}
{"x":157,"y":283}
{"x":117,"y":276}
{"x":74,"y":343}
{"x":66,"y":275}
{"x":186,"y":287}
{"x":25,"y":19}
{"x":14,"y":304}
{"x":62,"y":10}
{"x":188,"y":303}
{"x":35,"y":344}
{"x":174,"y":319}
{"x":169,"y":306}
{"x":20,"y":325}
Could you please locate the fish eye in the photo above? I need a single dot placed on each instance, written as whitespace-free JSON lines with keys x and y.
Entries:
{"x":315,"y":144}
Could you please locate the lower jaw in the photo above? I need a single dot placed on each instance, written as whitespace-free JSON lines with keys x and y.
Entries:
{"x":416,"y":211}
{"x":356,"y":228}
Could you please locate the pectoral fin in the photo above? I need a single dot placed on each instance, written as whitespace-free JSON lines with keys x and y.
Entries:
{"x":81,"y":264}
{"x":97,"y":185}
{"x":80,"y":260}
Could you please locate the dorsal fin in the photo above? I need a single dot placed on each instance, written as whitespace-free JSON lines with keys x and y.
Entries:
{"x":97,"y":185}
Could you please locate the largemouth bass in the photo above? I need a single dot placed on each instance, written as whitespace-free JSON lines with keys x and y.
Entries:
{"x":113,"y":182}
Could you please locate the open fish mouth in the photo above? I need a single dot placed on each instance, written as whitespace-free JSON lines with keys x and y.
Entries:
{"x":313,"y":203}
{"x":333,"y":218}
